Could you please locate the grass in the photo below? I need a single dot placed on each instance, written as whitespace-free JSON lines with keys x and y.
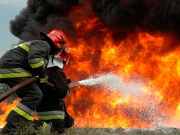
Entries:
{"x":119,"y":131}
{"x":28,"y":129}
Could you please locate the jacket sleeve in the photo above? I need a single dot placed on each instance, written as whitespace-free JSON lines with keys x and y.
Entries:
{"x":38,"y":59}
{"x":58,"y":78}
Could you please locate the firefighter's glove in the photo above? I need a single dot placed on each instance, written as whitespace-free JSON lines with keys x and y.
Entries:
{"x":42,"y":79}
{"x":45,"y":82}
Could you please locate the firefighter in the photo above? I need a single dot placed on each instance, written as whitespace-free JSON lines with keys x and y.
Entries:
{"x":51,"y":109}
{"x":22,"y":62}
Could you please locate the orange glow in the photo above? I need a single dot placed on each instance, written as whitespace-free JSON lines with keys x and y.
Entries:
{"x":150,"y":58}
{"x":6,"y":108}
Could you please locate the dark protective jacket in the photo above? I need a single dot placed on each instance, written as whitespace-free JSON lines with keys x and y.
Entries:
{"x":51,"y":107}
{"x":17,"y":65}
{"x":57,"y":77}
{"x":25,"y":60}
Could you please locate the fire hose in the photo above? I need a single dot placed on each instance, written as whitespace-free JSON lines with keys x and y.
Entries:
{"x":26,"y":82}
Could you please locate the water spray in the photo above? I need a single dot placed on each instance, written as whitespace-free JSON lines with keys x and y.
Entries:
{"x":113,"y":82}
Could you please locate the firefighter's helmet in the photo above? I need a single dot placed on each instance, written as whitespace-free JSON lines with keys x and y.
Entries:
{"x":56,"y":40}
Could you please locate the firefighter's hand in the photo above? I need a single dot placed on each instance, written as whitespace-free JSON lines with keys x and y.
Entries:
{"x":42,"y":79}
{"x":68,"y":81}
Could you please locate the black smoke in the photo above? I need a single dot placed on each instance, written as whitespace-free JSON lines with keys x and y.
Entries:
{"x":120,"y":16}
{"x":42,"y":15}
{"x":147,"y":15}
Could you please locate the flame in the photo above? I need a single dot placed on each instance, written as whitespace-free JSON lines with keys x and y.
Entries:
{"x":140,"y":56}
{"x":149,"y":57}
{"x":5,"y":109}
{"x":152,"y":58}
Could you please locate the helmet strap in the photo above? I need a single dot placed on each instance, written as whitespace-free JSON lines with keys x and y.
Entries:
{"x":62,"y":49}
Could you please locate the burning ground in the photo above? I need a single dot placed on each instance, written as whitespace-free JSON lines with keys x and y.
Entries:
{"x":137,"y":40}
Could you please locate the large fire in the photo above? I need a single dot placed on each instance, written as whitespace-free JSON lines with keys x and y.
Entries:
{"x":152,"y":58}
{"x":139,"y":56}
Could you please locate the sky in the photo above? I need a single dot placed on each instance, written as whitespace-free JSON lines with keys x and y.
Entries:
{"x":8,"y":11}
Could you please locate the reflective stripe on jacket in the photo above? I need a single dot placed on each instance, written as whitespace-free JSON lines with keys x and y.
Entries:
{"x":30,"y":60}
{"x":50,"y":115}
{"x":13,"y":73}
{"x":24,"y":111}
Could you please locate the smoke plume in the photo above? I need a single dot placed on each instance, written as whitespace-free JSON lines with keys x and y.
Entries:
{"x":120,"y":16}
